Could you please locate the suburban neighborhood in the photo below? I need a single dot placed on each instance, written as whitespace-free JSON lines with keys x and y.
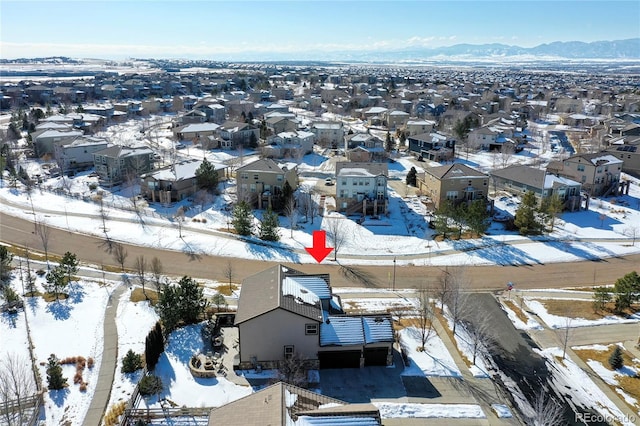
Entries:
{"x":160,"y":221}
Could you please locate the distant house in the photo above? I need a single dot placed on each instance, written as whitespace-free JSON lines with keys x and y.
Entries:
{"x":292,"y":144}
{"x":419,"y":127}
{"x":630,"y":154}
{"x":396,"y":119}
{"x":364,"y":147}
{"x":454,"y":182}
{"x":231,"y":134}
{"x":261,"y":182}
{"x":283,"y":312}
{"x":78,"y":154}
{"x":432,"y":146}
{"x":176,"y":182}
{"x":44,"y":141}
{"x":599,"y":173}
{"x":279,"y":124}
{"x":329,"y":134}
{"x":116,"y":164}
{"x":520,"y":179}
{"x":196,"y":132}
{"x":287,"y":405}
{"x":361,"y":187}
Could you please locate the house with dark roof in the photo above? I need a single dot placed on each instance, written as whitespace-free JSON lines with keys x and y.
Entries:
{"x":519,"y":179}
{"x":282,"y":312}
{"x":599,"y":173}
{"x":283,"y":404}
{"x":261,"y":182}
{"x":432,"y":146}
{"x":117,"y":163}
{"x":454,"y":182}
{"x":362,"y":187}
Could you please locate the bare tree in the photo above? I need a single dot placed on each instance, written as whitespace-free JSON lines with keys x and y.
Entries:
{"x":632,"y":231}
{"x":156,"y":271}
{"x":307,"y":205}
{"x":291,"y":212}
{"x":104,"y":215}
{"x":479,"y":327}
{"x":30,"y":280}
{"x":179,"y":219}
{"x":228,"y":273}
{"x":546,"y":410}
{"x":456,"y":296}
{"x":425,"y":316}
{"x":120,"y":254}
{"x":293,"y":370}
{"x":337,"y":233}
{"x":140,"y":266}
{"x":444,"y":285}
{"x":506,"y":153}
{"x":44,"y":232}
{"x":16,"y":387}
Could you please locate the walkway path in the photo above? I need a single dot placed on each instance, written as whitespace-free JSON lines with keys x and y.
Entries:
{"x":108,"y":364}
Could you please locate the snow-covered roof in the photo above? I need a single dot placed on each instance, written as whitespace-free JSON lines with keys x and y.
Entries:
{"x":355,"y":172}
{"x":605,"y":158}
{"x":349,"y":330}
{"x":200,"y":127}
{"x":335,"y":421}
{"x":180,"y":171}
{"x":309,"y":289}
{"x":551,"y":180}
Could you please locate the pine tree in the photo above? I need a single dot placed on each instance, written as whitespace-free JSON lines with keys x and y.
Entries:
{"x":191,"y":300}
{"x":242,"y":218}
{"x":412,"y":177}
{"x":388,"y":143}
{"x":5,"y":264}
{"x":525,"y":219}
{"x":150,"y":385}
{"x":168,"y":307}
{"x":69,"y":265}
{"x":551,"y":207}
{"x":615,"y":359}
{"x":131,"y":362}
{"x":55,"y":380}
{"x":56,"y":281}
{"x":207,"y":176}
{"x":269,"y":226}
{"x":253,"y":141}
{"x":153,"y":346}
{"x":476,"y":217}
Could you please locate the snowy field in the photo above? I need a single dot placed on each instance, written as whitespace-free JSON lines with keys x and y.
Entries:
{"x":555,"y":321}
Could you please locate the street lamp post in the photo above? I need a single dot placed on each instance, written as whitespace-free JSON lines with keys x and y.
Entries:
{"x":394,"y":273}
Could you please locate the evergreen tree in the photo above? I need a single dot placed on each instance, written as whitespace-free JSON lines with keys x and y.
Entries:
{"x":442,"y":218}
{"x":191,"y":300}
{"x":269,"y":226}
{"x":168,"y":307}
{"x":627,"y":289}
{"x":242,"y":218}
{"x":388,"y":145}
{"x":476,"y":217}
{"x":150,"y":385}
{"x":601,"y":296}
{"x":551,"y":207}
{"x":56,"y":281}
{"x":525,"y":219}
{"x":207,"y":176}
{"x":615,"y":359}
{"x":69,"y":265}
{"x":55,"y":380}
{"x":153,"y":346}
{"x":131,"y":362}
{"x":412,"y":176}
{"x":5,"y":264}
{"x":253,"y":141}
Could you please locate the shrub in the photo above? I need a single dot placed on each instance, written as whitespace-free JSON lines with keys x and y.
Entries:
{"x":93,"y":186}
{"x":150,"y":385}
{"x":55,"y":380}
{"x":83,"y":387}
{"x":131,"y":362}
{"x":615,"y":359}
{"x":90,"y":363}
{"x":40,"y":272}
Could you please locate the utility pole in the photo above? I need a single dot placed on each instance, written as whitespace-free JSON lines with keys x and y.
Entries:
{"x":394,"y":273}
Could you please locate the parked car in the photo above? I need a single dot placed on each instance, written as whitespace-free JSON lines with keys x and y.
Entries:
{"x":328,"y":181}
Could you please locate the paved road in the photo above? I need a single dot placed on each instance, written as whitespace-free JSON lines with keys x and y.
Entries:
{"x":554,"y":275}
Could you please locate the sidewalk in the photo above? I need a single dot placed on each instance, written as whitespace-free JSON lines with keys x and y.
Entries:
{"x":108,"y":365}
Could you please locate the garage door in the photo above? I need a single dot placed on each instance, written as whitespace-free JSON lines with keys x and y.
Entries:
{"x":338,"y":359}
{"x":375,"y":356}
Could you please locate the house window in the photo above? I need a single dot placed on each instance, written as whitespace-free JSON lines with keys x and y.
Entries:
{"x":244,"y":176}
{"x":255,"y":177}
{"x":452,"y":195}
{"x":311,"y":329}
{"x":581,"y":167}
{"x":279,"y":178}
{"x":288,"y":351}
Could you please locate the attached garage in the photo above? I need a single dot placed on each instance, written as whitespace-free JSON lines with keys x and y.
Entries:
{"x":339,"y":359}
{"x":375,"y":356}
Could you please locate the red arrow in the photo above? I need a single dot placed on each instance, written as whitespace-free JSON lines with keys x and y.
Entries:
{"x":319,"y":250}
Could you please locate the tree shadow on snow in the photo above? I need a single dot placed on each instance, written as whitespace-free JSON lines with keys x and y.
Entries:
{"x":76,"y":292}
{"x":58,"y":396}
{"x":60,"y":309}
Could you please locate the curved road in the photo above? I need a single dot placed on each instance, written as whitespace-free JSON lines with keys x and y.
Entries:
{"x":91,"y":250}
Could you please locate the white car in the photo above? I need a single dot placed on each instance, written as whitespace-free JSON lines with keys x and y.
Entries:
{"x":328,"y":181}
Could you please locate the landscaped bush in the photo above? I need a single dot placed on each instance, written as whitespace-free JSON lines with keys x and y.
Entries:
{"x":615,"y":359}
{"x":150,"y":385}
{"x":131,"y":362}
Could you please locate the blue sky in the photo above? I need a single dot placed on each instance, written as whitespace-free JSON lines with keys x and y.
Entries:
{"x":231,"y":29}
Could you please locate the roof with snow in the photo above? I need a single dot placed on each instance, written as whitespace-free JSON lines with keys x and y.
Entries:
{"x":180,"y":171}
{"x":361,"y":169}
{"x":199,"y":127}
{"x":288,"y":405}
{"x":352,"y":330}
{"x":453,"y":171}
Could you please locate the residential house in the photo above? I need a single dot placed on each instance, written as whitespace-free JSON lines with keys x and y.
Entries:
{"x":599,"y":173}
{"x":197,"y":132}
{"x":329,"y":134}
{"x":293,"y":144}
{"x":432,"y":146}
{"x":629,"y":152}
{"x":261,"y":182}
{"x":362,"y":187}
{"x":45,"y":140}
{"x":454,"y":182}
{"x":374,"y":116}
{"x":364,"y":148}
{"x":231,"y":134}
{"x":77,"y":154}
{"x":283,"y":312}
{"x":283,"y":404}
{"x":419,"y":127}
{"x":176,"y":182}
{"x":279,"y":124}
{"x":116,"y":163}
{"x":396,"y":119}
{"x":519,"y":179}
{"x":214,"y":112}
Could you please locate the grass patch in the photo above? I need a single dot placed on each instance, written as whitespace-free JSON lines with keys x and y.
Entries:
{"x":630,"y":385}
{"x":138,"y":296}
{"x":582,"y":309}
{"x":449,"y":332}
{"x":33,"y":294}
{"x":227,"y":290}
{"x":516,"y":309}
{"x":50,"y":297}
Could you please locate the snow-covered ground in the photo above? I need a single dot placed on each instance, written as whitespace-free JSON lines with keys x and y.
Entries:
{"x":531,"y":323}
{"x":555,"y":321}
{"x":435,"y":360}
